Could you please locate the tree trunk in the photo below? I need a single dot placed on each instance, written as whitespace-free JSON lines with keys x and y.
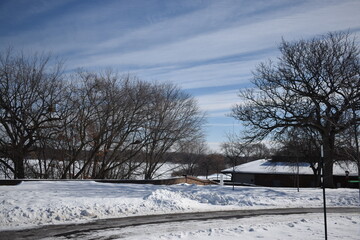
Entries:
{"x":19,"y":166}
{"x":329,"y":144}
{"x":328,"y":173}
{"x":148,"y":175}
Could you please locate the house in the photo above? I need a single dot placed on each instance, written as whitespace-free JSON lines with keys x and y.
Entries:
{"x":269,"y":173}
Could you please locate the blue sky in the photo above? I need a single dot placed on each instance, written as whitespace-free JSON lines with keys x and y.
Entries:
{"x":208,"y":48}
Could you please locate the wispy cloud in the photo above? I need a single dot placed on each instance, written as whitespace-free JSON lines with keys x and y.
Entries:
{"x":14,"y":13}
{"x":199,"y":45}
{"x":204,"y":75}
{"x":219,"y":43}
{"x":211,"y":30}
{"x":219,"y":101}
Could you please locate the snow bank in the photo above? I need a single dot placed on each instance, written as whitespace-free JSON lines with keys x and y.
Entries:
{"x":36,"y":203}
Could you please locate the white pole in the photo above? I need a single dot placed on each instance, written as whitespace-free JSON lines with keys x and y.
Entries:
{"x":221,"y":179}
{"x":322,"y":151}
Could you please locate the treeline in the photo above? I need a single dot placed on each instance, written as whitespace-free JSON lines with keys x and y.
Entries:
{"x":86,"y":124}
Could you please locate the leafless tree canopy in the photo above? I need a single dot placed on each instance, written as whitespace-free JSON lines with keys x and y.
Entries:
{"x":194,"y":153}
{"x":300,"y":145}
{"x":173,"y":118}
{"x":30,"y":90}
{"x":87,"y":125}
{"x":237,"y":151}
{"x":314,"y":84}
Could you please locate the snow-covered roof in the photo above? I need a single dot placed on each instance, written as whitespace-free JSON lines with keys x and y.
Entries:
{"x":264,"y":166}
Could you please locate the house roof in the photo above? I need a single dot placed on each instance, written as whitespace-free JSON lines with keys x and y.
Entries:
{"x":264,"y":166}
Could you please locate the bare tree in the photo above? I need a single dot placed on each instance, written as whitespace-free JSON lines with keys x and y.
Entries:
{"x":238,"y":151}
{"x":30,"y":92}
{"x":193,"y":154}
{"x":210,"y":164}
{"x":99,"y":126}
{"x":125,"y":135}
{"x":100,"y":135}
{"x":233,"y":149}
{"x":315,"y":84}
{"x":300,"y":145}
{"x":173,"y":117}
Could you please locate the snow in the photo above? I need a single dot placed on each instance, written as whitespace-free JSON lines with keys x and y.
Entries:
{"x":216,"y":176}
{"x":293,"y":227}
{"x":164,"y":170}
{"x":53,"y":202}
{"x":266,"y":166}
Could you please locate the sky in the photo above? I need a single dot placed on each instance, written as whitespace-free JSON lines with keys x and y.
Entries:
{"x":208,"y":48}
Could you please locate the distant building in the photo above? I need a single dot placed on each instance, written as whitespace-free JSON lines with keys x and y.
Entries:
{"x":288,"y":174}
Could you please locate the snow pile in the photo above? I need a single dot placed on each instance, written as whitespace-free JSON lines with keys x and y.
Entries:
{"x":36,"y":203}
{"x":168,"y":200}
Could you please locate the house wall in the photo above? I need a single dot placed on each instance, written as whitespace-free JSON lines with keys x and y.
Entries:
{"x":275,"y":180}
{"x":289,"y":180}
{"x":285,"y":180}
{"x":343,"y":181}
{"x":246,"y":178}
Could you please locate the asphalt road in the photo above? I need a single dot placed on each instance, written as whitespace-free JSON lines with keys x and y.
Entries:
{"x":67,"y":231}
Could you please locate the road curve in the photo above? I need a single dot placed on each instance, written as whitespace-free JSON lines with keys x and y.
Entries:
{"x":65,"y":230}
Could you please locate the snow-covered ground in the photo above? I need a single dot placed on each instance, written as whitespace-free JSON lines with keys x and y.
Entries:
{"x":295,"y":227}
{"x":164,"y":171}
{"x":50,"y":202}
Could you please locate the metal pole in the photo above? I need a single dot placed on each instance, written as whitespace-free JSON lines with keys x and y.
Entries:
{"x":298,"y":179}
{"x":233,"y":175}
{"x":323,"y":187}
